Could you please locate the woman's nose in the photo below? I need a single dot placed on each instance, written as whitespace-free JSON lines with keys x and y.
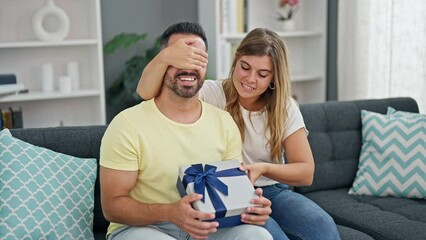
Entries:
{"x":251,"y":77}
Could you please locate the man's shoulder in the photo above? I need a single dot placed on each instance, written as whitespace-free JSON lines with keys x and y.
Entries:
{"x":142,"y":106}
{"x":134,"y":113}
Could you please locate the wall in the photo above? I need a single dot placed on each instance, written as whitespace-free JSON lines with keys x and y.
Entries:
{"x":150,"y":16}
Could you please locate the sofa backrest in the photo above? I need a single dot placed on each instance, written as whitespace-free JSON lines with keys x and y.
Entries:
{"x":335,"y":137}
{"x":81,"y":142}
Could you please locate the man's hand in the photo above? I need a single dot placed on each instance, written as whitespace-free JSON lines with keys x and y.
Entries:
{"x":183,"y":55}
{"x":257,"y":215}
{"x":188,"y":219}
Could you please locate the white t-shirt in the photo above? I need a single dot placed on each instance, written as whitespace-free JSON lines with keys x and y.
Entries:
{"x":255,"y":148}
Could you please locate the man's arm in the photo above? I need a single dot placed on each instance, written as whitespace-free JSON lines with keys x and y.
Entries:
{"x":180,"y":55}
{"x":119,"y":207}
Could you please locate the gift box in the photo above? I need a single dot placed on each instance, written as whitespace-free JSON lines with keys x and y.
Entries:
{"x":227,"y":191}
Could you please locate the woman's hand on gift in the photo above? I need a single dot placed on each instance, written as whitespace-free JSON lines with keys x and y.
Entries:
{"x":188,"y":219}
{"x":254,"y":171}
{"x":260,"y":213}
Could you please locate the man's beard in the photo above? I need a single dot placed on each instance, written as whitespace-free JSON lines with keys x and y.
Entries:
{"x":183,"y":91}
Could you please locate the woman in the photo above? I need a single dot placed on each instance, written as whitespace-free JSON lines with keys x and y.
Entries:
{"x":258,"y":96}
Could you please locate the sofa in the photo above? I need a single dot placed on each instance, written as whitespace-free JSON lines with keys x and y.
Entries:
{"x":335,"y":138}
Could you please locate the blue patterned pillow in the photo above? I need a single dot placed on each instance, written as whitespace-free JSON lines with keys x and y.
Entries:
{"x":5,"y":132}
{"x":393,"y":112}
{"x":44,"y":194}
{"x":393,"y":155}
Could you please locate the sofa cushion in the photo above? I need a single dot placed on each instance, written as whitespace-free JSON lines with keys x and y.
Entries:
{"x":393,"y":155}
{"x":44,"y":194}
{"x":347,"y":233}
{"x":379,"y":217}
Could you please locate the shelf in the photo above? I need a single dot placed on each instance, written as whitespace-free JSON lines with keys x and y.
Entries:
{"x":23,"y":54}
{"x":306,"y":45}
{"x":293,"y":34}
{"x":305,"y":78}
{"x":75,"y":42}
{"x":39,"y":95}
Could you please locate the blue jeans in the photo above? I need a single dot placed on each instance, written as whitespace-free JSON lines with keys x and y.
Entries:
{"x":298,"y":216}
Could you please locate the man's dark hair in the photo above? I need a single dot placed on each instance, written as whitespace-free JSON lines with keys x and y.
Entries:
{"x":182,"y":27}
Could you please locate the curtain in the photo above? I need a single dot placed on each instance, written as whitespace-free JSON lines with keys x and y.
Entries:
{"x":382,"y":50}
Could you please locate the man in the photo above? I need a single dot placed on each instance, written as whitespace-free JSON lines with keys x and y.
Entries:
{"x":144,"y":146}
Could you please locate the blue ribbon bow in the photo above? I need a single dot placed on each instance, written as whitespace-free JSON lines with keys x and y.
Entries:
{"x":208,"y":179}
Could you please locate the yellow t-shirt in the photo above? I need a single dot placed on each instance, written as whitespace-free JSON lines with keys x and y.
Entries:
{"x":141,"y":138}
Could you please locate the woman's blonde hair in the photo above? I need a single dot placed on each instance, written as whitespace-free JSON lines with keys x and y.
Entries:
{"x":263,"y":42}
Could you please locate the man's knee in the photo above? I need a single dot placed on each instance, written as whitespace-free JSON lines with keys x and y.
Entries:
{"x":253,"y":232}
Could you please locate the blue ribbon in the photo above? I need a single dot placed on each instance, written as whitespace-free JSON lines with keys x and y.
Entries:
{"x":208,"y":179}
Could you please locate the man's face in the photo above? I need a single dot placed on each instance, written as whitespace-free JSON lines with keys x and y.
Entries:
{"x":185,"y":83}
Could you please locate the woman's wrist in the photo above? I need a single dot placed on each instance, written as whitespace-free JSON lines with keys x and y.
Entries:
{"x":264,"y":168}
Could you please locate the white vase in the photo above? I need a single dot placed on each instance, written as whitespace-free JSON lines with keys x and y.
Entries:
{"x":288,"y":25}
{"x":59,"y":15}
{"x":73,"y":72}
{"x":47,"y":77}
{"x":65,"y":84}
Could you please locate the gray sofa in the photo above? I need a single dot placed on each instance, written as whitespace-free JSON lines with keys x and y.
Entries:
{"x":335,"y":138}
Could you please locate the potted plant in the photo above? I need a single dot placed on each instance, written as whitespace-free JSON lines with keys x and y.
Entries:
{"x":122,"y":91}
{"x":286,"y":11}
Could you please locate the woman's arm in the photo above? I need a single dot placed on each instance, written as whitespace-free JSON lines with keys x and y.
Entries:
{"x":180,"y":55}
{"x":299,"y":168}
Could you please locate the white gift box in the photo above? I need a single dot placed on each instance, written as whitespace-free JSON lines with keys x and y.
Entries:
{"x":240,"y":190}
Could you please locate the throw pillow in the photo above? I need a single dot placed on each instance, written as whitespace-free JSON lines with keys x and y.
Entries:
{"x":393,"y":155}
{"x":393,"y":112}
{"x":44,"y":194}
{"x":5,"y":132}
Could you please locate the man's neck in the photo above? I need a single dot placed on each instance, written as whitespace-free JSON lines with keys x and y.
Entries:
{"x":179,"y":109}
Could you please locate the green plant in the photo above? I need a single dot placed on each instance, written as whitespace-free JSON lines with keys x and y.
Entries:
{"x":123,"y":90}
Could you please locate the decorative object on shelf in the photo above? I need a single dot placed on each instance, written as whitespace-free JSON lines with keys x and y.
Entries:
{"x":61,"y":18}
{"x":47,"y":77}
{"x":13,"y":88}
{"x":73,"y":72}
{"x":7,"y":79}
{"x":288,"y":25}
{"x":286,"y":11}
{"x":8,"y":84}
{"x":65,"y":84}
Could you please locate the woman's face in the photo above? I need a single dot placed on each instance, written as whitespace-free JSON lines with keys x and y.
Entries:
{"x":252,"y":75}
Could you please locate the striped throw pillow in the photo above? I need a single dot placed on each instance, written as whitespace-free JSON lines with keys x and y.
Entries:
{"x":393,"y":155}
